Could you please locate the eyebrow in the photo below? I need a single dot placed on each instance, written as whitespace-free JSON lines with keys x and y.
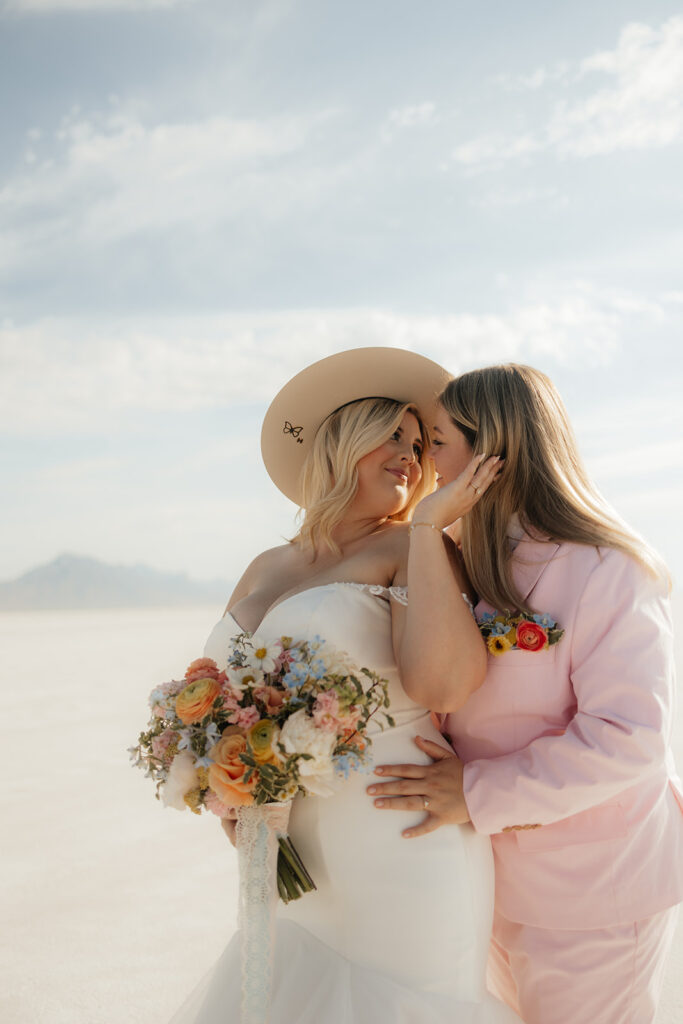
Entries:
{"x":418,"y":439}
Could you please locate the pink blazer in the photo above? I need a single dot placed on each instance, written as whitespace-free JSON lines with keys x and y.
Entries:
{"x":567,"y":752}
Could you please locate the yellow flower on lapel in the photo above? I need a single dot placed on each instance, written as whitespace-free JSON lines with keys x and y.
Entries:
{"x":499,"y":643}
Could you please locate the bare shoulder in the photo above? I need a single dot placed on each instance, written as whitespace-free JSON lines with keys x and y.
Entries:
{"x":270,"y":562}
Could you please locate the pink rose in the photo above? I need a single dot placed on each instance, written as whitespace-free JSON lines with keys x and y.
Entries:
{"x":161,"y":744}
{"x":231,"y":698}
{"x":213,"y":803}
{"x":245,"y":717}
{"x":326,"y":711}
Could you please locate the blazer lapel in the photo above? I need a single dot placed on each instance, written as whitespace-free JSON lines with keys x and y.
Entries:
{"x":530,"y":560}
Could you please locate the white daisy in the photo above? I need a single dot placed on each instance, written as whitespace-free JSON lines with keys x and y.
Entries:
{"x":264,"y":655}
{"x":250,"y":675}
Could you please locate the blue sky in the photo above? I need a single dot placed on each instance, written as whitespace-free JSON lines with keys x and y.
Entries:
{"x":199,"y":198}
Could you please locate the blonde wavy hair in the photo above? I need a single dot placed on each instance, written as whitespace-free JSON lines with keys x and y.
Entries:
{"x":330,"y":474}
{"x":516,"y":412}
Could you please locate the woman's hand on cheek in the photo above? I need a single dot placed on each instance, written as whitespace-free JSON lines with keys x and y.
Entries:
{"x":454,"y":500}
{"x":435,"y":788}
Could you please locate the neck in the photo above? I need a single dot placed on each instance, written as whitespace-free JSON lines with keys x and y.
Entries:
{"x":355,"y":528}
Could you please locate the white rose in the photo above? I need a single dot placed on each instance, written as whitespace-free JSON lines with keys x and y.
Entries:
{"x":300,"y":735}
{"x":182,"y":777}
{"x":338,"y":662}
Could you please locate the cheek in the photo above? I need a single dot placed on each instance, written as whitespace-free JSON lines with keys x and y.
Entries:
{"x":440,"y":459}
{"x":448,"y":464}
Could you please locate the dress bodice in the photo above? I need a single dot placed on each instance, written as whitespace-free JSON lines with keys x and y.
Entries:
{"x":353,"y":617}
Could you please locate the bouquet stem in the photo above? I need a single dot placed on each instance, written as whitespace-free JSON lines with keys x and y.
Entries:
{"x":293,"y":880}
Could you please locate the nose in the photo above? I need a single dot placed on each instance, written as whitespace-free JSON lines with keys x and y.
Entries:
{"x":408,"y":454}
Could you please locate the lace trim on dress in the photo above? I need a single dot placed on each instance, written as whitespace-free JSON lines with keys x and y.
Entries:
{"x":399,"y":594}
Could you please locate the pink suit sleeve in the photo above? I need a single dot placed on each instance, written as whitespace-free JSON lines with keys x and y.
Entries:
{"x":621,"y":672}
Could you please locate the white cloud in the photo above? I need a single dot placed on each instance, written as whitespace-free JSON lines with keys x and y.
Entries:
{"x":113,"y":176}
{"x":536,"y":79}
{"x":410,"y":116}
{"x":494,"y":149}
{"x":640,"y":106}
{"x":75,"y":375}
{"x":643,"y":105}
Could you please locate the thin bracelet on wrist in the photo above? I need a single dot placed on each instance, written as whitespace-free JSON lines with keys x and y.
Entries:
{"x":422,"y":522}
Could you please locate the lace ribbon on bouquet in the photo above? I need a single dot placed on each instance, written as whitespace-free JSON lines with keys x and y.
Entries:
{"x":257,"y":832}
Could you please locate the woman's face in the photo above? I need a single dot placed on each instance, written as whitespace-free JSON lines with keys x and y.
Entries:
{"x":388,"y":476}
{"x":450,"y":449}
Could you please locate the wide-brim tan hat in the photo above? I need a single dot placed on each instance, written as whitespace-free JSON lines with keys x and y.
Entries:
{"x":297,"y":411}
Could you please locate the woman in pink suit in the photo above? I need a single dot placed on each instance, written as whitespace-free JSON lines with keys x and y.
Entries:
{"x":563,"y":754}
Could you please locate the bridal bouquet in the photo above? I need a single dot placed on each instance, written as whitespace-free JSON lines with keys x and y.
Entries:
{"x":286,"y":717}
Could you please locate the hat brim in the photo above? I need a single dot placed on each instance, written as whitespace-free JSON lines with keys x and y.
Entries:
{"x":298,"y":410}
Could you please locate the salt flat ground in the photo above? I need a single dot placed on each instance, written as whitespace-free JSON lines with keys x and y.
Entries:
{"x":113,"y":907}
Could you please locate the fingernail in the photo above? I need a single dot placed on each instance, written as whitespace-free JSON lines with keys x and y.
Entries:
{"x":379,"y":803}
{"x":372,"y":789}
{"x":379,"y":771}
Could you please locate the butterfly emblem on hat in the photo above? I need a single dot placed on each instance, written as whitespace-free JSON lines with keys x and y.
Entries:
{"x":294,"y":431}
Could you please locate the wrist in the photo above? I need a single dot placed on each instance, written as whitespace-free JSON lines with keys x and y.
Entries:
{"x":424,"y":522}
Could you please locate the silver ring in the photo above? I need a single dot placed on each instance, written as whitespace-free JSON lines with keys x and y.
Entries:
{"x":477,"y":489}
{"x":425,"y":803}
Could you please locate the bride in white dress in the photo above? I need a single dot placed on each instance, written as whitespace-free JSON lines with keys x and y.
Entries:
{"x":397,"y":932}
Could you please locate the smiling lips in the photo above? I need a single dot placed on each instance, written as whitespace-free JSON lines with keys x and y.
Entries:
{"x":401,"y":474}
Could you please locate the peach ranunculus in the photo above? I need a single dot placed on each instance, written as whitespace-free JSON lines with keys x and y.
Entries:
{"x":226,"y":774}
{"x":203,"y":668}
{"x":196,"y":700}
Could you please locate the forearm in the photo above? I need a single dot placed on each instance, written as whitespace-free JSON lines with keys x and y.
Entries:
{"x":559,"y":776}
{"x":441,"y":655}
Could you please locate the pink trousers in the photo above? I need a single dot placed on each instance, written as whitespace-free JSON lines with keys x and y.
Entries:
{"x":604,"y":976}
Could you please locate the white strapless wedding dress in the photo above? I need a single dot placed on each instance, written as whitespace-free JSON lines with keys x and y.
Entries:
{"x":398,"y":930}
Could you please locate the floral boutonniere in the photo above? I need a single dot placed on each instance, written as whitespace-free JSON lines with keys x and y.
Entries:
{"x":518,"y":632}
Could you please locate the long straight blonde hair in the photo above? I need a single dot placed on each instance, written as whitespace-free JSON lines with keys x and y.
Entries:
{"x":516,"y":412}
{"x":330,"y":474}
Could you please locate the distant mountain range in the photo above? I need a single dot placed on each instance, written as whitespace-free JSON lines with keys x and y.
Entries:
{"x":73,"y":581}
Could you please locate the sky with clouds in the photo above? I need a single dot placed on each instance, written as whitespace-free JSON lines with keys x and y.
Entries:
{"x":199,"y":197}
